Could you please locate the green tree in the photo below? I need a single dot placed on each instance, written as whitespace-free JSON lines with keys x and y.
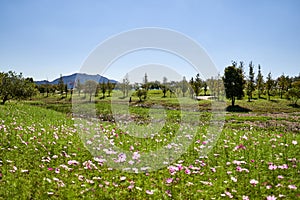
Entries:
{"x":78,"y":86}
{"x":250,"y":82}
{"x":125,"y":86}
{"x":90,"y":88}
{"x":294,"y":92}
{"x":233,"y":82}
{"x":66,"y":90}
{"x":142,"y":94}
{"x":47,"y":88}
{"x":164,"y":86}
{"x":283,"y":84}
{"x":109,"y":87}
{"x":14,"y":86}
{"x":184,"y":86}
{"x":61,"y":85}
{"x":197,"y":84}
{"x":103,"y":89}
{"x":269,"y":85}
{"x":259,"y":82}
{"x":205,"y":87}
{"x":145,"y":82}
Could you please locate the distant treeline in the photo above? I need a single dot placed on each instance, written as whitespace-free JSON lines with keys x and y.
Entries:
{"x":234,"y":84}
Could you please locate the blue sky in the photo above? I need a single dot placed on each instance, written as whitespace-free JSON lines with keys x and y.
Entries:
{"x":44,"y":38}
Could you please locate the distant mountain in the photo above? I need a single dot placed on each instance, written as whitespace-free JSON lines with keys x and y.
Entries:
{"x":71,"y":79}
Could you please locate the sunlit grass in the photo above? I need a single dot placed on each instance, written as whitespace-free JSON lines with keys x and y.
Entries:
{"x":38,"y":145}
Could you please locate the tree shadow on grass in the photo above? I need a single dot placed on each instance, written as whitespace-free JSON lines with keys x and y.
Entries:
{"x":237,"y":108}
{"x":294,"y":105}
{"x":262,"y":98}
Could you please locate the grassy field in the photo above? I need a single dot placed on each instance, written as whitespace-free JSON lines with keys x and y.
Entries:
{"x":257,"y":155}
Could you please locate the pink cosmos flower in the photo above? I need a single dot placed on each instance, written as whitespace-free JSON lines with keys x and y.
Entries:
{"x":172,"y":169}
{"x":238,"y":168}
{"x":73,"y":162}
{"x":169,"y":180}
{"x":284,"y":166}
{"x":245,"y":137}
{"x":280,"y":177}
{"x":168,"y":192}
{"x":272,"y":167}
{"x":240,"y":146}
{"x":271,"y":197}
{"x":130,"y":186}
{"x":213,"y":169}
{"x":89,"y":165}
{"x":253,"y":182}
{"x":229,"y":194}
{"x":136,"y":156}
{"x":149,"y":192}
{"x":80,"y":177}
{"x":50,"y":169}
{"x":292,"y":187}
{"x":245,"y":197}
{"x":187,"y":171}
{"x":233,"y":179}
{"x":180,"y":167}
{"x":294,"y":142}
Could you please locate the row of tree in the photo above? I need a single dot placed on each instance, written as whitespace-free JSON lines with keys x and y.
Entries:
{"x":15,"y":86}
{"x":236,"y":83}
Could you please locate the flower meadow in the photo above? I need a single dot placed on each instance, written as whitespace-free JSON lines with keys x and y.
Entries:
{"x":43,"y":156}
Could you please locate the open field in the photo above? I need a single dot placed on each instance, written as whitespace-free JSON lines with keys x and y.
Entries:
{"x":256,"y":156}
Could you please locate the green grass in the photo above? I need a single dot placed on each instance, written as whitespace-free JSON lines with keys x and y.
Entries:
{"x":41,"y":136}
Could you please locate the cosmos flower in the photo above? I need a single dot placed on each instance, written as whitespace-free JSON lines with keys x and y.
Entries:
{"x":271,"y":197}
{"x":280,"y":177}
{"x":245,"y":197}
{"x":233,"y":179}
{"x":136,"y":156}
{"x":149,"y":192}
{"x":168,"y":192}
{"x":253,"y":182}
{"x":272,"y":167}
{"x":292,"y":187}
{"x":187,"y":171}
{"x":73,"y":162}
{"x":169,"y":180}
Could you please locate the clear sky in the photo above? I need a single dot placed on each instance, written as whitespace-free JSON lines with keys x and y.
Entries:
{"x":46,"y":38}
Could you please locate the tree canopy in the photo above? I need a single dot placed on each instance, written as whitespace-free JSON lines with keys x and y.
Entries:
{"x":233,"y":82}
{"x":15,"y":86}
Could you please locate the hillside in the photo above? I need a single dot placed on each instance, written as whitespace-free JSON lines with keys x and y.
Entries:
{"x":70,"y":79}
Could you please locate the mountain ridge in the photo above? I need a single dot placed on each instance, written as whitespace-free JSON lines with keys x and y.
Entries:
{"x":71,"y":79}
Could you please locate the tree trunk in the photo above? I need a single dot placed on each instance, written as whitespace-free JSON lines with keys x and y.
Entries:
{"x":5,"y":98}
{"x":232,"y":101}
